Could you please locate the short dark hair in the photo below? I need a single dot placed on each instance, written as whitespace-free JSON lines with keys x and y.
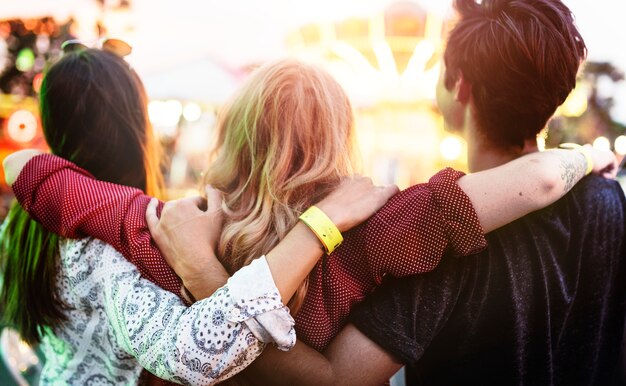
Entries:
{"x":521,"y":58}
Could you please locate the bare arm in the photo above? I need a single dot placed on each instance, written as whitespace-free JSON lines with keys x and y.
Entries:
{"x":351,"y":359}
{"x":69,"y":201}
{"x":372,"y":365}
{"x":534,"y":181}
{"x":512,"y":190}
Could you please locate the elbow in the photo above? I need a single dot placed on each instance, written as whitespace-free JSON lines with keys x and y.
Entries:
{"x":549,"y":185}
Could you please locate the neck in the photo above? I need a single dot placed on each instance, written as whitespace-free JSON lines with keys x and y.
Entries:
{"x":482,"y":154}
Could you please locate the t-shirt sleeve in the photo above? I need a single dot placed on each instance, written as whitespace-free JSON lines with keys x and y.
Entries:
{"x":404,"y":315}
{"x":412,"y":232}
{"x":69,"y":201}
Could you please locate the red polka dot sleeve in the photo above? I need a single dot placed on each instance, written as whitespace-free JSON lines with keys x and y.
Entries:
{"x":407,"y":236}
{"x":69,"y":201}
{"x":413,"y":231}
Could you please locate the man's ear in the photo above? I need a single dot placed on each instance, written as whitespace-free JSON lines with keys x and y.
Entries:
{"x":462,"y":90}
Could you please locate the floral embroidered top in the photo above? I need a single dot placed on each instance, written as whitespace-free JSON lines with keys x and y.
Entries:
{"x":119,"y":323}
{"x":409,"y":235}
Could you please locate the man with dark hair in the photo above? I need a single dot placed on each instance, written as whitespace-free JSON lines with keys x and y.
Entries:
{"x":545,"y":303}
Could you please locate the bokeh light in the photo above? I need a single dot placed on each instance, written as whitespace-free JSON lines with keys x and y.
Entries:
{"x":22,"y":126}
{"x":602,"y":143}
{"x":192,"y":112}
{"x":165,"y":116}
{"x":25,"y":60}
{"x":37,"y":80}
{"x":451,"y":148}
{"x":620,"y":145}
{"x":576,"y":103}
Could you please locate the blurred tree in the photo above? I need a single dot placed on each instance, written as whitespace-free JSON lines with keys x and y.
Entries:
{"x":596,"y":119}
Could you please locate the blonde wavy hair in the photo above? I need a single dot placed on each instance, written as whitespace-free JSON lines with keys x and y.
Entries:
{"x":284,"y":142}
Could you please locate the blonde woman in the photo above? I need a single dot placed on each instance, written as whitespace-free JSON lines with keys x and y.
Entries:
{"x":285,"y":142}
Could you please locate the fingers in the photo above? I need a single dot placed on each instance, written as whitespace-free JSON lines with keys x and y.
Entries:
{"x":391,"y":189}
{"x":211,"y":204}
{"x":192,"y":202}
{"x":213,"y":199}
{"x":151,"y":215}
{"x":15,"y":162}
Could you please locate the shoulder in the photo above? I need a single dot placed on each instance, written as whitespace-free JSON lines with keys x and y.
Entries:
{"x":597,"y":194}
{"x":596,"y":185}
{"x":424,"y":197}
{"x":92,"y":257}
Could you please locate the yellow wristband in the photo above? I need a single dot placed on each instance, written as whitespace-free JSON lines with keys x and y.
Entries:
{"x":581,"y":149}
{"x":323,"y":227}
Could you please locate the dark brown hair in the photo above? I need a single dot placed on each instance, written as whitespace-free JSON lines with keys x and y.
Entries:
{"x":521,"y":58}
{"x":94,"y":113}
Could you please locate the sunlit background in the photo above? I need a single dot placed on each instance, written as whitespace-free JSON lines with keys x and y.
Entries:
{"x":192,"y":55}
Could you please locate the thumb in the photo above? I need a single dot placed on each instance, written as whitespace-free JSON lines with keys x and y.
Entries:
{"x":151,"y":215}
{"x":390,"y":191}
{"x":213,"y":199}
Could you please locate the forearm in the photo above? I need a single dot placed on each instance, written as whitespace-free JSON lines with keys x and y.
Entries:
{"x":290,"y":262}
{"x":300,"y":366}
{"x":206,"y":282}
{"x":351,"y":359}
{"x":178,"y":336}
{"x":292,"y":259}
{"x":165,"y":336}
{"x":510,"y":191}
{"x":68,"y":201}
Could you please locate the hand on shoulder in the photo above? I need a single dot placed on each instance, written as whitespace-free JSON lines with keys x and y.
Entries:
{"x":15,"y":162}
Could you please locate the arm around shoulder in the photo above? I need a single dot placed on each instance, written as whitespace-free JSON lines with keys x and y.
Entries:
{"x":534,"y":181}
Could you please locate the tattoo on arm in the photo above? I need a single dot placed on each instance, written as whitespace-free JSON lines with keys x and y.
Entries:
{"x":572,"y":171}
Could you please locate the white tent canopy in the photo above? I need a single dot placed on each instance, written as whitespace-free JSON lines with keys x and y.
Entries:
{"x":200,"y":80}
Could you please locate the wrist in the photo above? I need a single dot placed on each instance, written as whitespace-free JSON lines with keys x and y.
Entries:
{"x":323,"y":227}
{"x":582,"y":150}
{"x":204,"y":285}
{"x":204,"y":279}
{"x":187,"y":295}
{"x":307,"y":237}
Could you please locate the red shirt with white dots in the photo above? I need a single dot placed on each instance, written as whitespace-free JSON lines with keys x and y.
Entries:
{"x":409,"y":235}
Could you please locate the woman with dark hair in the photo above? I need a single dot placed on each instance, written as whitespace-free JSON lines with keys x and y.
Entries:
{"x":109,"y":138}
{"x":98,"y":320}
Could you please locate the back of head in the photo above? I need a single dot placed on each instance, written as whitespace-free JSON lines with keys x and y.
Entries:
{"x":521,"y":58}
{"x":94,"y":113}
{"x":284,"y":141}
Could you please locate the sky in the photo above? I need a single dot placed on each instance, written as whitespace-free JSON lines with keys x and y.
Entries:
{"x":170,"y":35}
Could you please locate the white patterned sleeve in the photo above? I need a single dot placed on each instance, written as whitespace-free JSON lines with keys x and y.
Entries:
{"x":206,"y":343}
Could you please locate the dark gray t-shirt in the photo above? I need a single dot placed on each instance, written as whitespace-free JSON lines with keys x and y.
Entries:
{"x":543,"y":305}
